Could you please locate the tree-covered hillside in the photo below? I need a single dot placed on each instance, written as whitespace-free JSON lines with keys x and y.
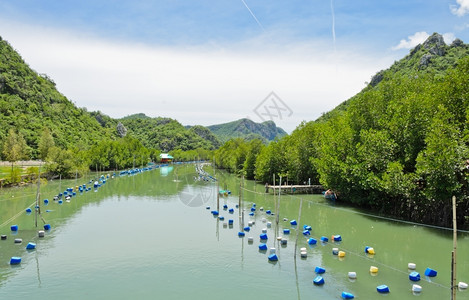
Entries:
{"x":248,"y":130}
{"x":400,"y":146}
{"x":167,"y":134}
{"x":29,"y":103}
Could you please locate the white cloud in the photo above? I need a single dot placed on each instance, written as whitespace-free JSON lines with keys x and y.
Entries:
{"x":412,"y":41}
{"x":449,"y":37}
{"x":461,"y":8}
{"x":203,"y":85}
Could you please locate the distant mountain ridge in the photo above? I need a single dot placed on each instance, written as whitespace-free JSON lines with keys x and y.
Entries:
{"x":247,"y":129}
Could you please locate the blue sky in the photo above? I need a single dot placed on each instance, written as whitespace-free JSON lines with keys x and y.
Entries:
{"x":208,"y":62}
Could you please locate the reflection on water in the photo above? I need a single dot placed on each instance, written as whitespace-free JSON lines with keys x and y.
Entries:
{"x":150,"y":236}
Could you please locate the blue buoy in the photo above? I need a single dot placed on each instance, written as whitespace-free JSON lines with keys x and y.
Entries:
{"x":262,"y":246}
{"x":382,"y":289}
{"x":230,"y":222}
{"x":14,"y":227}
{"x":15,"y":260}
{"x":293,"y":223}
{"x":273,"y":257}
{"x":221,"y":218}
{"x":46,"y":201}
{"x":251,"y":214}
{"x":47,"y":227}
{"x":61,"y":201}
{"x":28,"y":210}
{"x":312,"y":241}
{"x":306,"y":232}
{"x":215,"y":212}
{"x":268,"y":212}
{"x":247,"y":228}
{"x":346,"y":295}
{"x":253,"y":209}
{"x":414,"y":276}
{"x":263,"y":236}
{"x":231,"y":210}
{"x":31,"y":246}
{"x":241,"y":234}
{"x":319,"y":270}
{"x":324,"y":239}
{"x":236,"y":205}
{"x":318,"y":280}
{"x":307,"y":227}
{"x":337,"y":238}
{"x":430,"y":272}
{"x":366,"y":249}
{"x":225,"y":206}
{"x":286,"y":231}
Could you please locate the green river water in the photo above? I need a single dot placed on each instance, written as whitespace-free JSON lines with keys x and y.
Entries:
{"x":150,"y":236}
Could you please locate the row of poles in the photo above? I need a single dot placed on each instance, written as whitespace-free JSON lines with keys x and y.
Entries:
{"x":277,"y":208}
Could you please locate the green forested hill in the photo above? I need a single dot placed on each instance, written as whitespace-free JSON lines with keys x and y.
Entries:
{"x":247,"y":129}
{"x":399,"y":147}
{"x":167,"y":134}
{"x":29,"y":102}
{"x":431,"y":59}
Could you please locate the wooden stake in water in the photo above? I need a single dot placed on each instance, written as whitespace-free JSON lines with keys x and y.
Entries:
{"x":453,"y":254}
{"x":37,"y":208}
{"x":278,"y":200}
{"x":218,"y":196}
{"x":297,"y":231}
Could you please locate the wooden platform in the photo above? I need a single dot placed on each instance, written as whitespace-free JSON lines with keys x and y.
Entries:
{"x":297,"y":189}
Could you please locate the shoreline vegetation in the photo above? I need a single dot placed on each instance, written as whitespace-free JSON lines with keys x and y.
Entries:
{"x":400,"y":147}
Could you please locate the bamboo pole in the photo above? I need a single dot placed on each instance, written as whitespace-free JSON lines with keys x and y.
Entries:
{"x":297,"y":231}
{"x":218,"y":196}
{"x":453,"y":254}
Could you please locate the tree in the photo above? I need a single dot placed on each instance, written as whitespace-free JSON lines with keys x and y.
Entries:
{"x":45,"y":143}
{"x":14,"y":147}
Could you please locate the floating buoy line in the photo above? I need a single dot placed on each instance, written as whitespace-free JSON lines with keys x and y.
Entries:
{"x":67,"y":195}
{"x":336,"y":250}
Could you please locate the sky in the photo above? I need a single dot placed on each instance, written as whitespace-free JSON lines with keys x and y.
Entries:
{"x":209,"y":62}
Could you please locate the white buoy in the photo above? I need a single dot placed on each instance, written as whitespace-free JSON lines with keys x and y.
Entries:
{"x":304,"y":254}
{"x":250,"y":223}
{"x":411,"y":266}
{"x":261,"y":209}
{"x":269,"y":224}
{"x":284,"y":241}
{"x":416,"y":288}
{"x":41,"y":233}
{"x":264,"y":230}
{"x":253,"y":222}
{"x":285,"y":219}
{"x":462,"y":285}
{"x":18,"y":241}
{"x":352,"y":275}
{"x":264,"y":220}
{"x":250,"y":239}
{"x":302,"y":249}
{"x":272,"y":250}
{"x":279,"y":238}
{"x":225,"y":224}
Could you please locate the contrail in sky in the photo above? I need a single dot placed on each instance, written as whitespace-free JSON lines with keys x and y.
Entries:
{"x":252,"y":14}
{"x":333,"y":23}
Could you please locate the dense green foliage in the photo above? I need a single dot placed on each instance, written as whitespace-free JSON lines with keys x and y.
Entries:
{"x":37,"y":122}
{"x":400,"y":147}
{"x":30,"y":102}
{"x":166,"y":134}
{"x":248,"y":130}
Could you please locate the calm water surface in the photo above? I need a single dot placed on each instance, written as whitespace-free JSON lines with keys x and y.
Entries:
{"x":150,"y":236}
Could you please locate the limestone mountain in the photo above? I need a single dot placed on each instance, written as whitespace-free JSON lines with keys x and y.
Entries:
{"x":247,"y":129}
